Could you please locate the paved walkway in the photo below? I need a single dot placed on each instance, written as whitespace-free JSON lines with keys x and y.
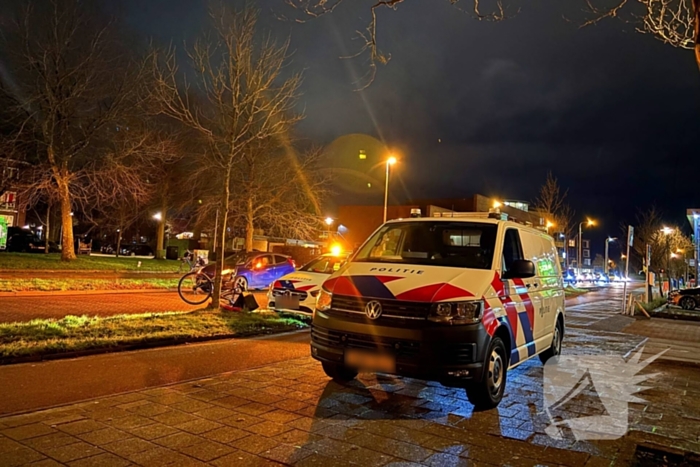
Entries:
{"x":289,"y":413}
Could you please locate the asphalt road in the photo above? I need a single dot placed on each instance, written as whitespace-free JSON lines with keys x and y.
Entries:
{"x":33,"y":386}
{"x":37,"y":385}
{"x":27,"y":306}
{"x":57,"y":305}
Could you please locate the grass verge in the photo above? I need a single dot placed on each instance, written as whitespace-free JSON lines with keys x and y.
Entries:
{"x":52,"y":261}
{"x":654,"y":304}
{"x":572,"y":292}
{"x":54,"y":285}
{"x":80,"y":333}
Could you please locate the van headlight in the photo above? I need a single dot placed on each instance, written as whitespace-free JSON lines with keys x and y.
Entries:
{"x":457,"y":312}
{"x":323,"y":301}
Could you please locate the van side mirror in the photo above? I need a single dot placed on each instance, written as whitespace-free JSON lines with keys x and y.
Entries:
{"x":520,"y":269}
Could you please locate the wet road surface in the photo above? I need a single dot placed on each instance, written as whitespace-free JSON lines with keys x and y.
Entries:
{"x":290,"y":413}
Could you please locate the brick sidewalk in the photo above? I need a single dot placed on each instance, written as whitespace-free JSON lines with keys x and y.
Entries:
{"x":291,"y":414}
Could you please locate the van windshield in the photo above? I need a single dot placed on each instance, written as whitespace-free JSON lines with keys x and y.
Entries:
{"x":456,"y":244}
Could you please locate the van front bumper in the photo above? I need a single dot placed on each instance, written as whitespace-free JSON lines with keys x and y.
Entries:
{"x":451,"y":355}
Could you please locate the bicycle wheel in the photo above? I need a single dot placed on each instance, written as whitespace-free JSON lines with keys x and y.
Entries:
{"x":195,"y":288}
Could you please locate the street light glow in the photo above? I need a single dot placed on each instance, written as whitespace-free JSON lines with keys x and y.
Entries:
{"x":391,"y":160}
{"x":329,"y":221}
{"x":667,"y":230}
{"x":550,"y":224}
{"x":590,"y":222}
{"x":158,"y":216}
{"x":497,"y":204}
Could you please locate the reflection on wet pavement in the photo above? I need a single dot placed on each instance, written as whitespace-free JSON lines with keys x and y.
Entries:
{"x":291,"y":413}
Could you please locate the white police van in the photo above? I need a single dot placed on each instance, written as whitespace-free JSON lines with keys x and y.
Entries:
{"x":454,"y":300}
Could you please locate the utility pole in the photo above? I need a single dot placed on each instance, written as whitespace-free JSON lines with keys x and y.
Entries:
{"x":607,"y":261}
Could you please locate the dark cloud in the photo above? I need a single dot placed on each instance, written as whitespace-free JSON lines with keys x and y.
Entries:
{"x":491,"y":107}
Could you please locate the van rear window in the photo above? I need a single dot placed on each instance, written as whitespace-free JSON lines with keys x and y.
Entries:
{"x":456,"y":244}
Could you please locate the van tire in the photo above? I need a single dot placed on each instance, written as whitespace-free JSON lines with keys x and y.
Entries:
{"x":555,"y":348}
{"x":487,"y":393}
{"x":339,"y":373}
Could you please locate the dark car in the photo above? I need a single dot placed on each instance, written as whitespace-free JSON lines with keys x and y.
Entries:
{"x":688,"y":299}
{"x":136,"y":250}
{"x":255,"y":270}
{"x":24,"y":241}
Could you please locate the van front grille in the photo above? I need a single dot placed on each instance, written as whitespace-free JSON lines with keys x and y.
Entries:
{"x":346,"y":306}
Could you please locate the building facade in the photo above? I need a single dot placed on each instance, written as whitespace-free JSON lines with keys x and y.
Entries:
{"x":360,"y":221}
{"x":10,"y":208}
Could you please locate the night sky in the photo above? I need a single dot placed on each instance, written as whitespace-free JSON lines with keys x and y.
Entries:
{"x":483,"y":107}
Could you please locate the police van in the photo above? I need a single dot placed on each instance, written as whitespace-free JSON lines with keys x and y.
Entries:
{"x":454,"y":300}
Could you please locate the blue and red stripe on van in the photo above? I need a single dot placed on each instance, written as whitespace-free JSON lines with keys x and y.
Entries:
{"x":374,"y":287}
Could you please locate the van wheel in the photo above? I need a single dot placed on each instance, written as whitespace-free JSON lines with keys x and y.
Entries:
{"x":339,"y":373}
{"x":487,"y":393}
{"x":555,"y":348}
{"x":687,"y":303}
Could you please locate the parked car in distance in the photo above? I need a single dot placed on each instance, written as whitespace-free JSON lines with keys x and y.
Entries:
{"x":297,"y":292}
{"x":688,"y":299}
{"x":21,"y":240}
{"x":136,"y":250}
{"x":254,"y":270}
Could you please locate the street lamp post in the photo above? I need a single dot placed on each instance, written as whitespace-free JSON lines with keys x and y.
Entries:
{"x":589,"y":223}
{"x":667,"y":231}
{"x":549,"y":225}
{"x":607,"y":263}
{"x":390,"y":161}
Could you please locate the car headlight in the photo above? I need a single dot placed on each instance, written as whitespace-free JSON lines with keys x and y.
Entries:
{"x":323,"y":301}
{"x":456,"y":312}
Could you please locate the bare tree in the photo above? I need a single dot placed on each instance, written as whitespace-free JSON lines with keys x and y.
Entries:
{"x":127,"y":178}
{"x":674,"y":22}
{"x":279,"y":189}
{"x":245,"y":98}
{"x":551,"y":198}
{"x":494,"y":11}
{"x":71,"y":85}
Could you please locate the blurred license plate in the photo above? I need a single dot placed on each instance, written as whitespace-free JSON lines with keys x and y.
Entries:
{"x":370,"y":361}
{"x":287,"y":302}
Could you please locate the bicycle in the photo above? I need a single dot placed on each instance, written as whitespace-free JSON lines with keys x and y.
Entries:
{"x":196,"y":287}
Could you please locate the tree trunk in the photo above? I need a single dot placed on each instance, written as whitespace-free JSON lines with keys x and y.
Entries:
{"x":249,"y":226}
{"x":67,"y":246}
{"x":221,"y":236}
{"x":696,"y":8}
{"x":119,"y":240}
{"x":47,"y":229}
{"x":160,"y":241}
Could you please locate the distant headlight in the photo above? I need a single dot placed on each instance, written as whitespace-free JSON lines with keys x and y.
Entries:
{"x":457,"y":312}
{"x":323,"y":302}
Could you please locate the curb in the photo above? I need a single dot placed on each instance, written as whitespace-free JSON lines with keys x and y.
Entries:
{"x":138,"y":346}
{"x":675,"y":316}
